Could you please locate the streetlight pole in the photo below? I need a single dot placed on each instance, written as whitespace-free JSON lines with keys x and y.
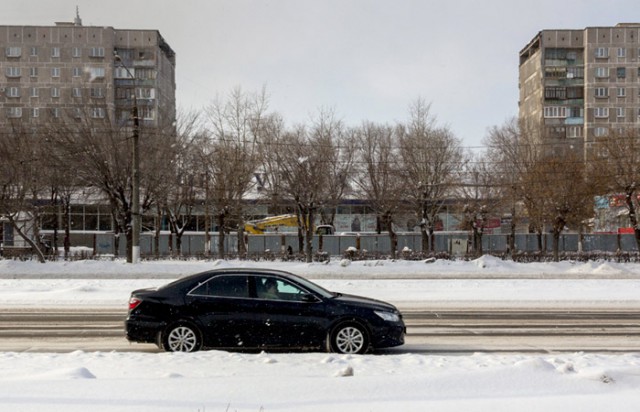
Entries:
{"x":135,"y":177}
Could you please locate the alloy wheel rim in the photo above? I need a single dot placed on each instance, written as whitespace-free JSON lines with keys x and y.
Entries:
{"x":182,"y":339}
{"x":349,"y":340}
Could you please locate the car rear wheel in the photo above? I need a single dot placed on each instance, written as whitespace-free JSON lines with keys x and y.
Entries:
{"x":349,"y":338}
{"x":182,"y":337}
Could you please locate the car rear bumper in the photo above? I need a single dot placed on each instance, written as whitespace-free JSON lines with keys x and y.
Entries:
{"x":142,"y":331}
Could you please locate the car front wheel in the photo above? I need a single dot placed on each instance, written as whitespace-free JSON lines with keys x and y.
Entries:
{"x":349,"y":338}
{"x":182,"y":337}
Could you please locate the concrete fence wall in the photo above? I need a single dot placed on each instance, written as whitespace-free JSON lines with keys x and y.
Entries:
{"x":456,"y":242}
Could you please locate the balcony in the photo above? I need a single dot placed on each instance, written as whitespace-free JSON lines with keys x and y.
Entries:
{"x":570,"y":121}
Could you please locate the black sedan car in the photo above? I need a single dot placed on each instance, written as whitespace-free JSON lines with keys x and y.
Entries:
{"x":249,"y":308}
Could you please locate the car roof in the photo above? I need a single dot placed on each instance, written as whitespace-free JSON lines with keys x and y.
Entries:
{"x":238,"y":270}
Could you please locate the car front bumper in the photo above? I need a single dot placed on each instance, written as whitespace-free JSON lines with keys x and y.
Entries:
{"x":389,"y":335}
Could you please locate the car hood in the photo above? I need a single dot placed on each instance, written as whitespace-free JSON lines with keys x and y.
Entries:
{"x":364,"y":302}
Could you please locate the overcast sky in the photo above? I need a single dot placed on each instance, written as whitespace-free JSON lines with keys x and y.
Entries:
{"x":365,"y":59}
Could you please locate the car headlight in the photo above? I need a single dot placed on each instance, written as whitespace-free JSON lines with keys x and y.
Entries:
{"x":388,"y":316}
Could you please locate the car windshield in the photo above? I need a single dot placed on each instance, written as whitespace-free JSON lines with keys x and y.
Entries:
{"x":312,"y":286}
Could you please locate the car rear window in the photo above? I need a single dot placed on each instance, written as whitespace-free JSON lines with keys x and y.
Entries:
{"x":225,"y":286}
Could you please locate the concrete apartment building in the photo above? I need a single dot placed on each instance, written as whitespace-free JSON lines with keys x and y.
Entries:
{"x":579,"y":85}
{"x":69,"y":71}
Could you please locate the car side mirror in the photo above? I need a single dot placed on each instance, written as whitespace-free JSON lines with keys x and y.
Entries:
{"x":309,"y":298}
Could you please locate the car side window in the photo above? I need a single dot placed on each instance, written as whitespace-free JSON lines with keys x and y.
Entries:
{"x":224,"y":286}
{"x":272,"y":288}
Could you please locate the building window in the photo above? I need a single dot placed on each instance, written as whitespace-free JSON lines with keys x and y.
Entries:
{"x":600,"y":131}
{"x":124,"y":116}
{"x":14,"y":112}
{"x":621,"y":72}
{"x":125,"y":54}
{"x":13,"y":51}
{"x":76,"y":52}
{"x":12,"y":72}
{"x":34,"y":51}
{"x":575,"y":92}
{"x":145,"y":93}
{"x":97,"y":92}
{"x":148,"y":113}
{"x":55,"y":72}
{"x":55,"y":112}
{"x":555,"y":112}
{"x":35,"y":92}
{"x":55,"y":92}
{"x":555,"y":72}
{"x":555,"y":54}
{"x":575,"y":111}
{"x":602,"y":72}
{"x":33,"y":71}
{"x":77,"y":72}
{"x":97,"y":113}
{"x":96,"y":72}
{"x":620,"y":112}
{"x":601,"y":53}
{"x":122,"y":73}
{"x":601,"y":112}
{"x":575,"y":72}
{"x":574,"y":131}
{"x":55,"y":52}
{"x":76,"y":92}
{"x":96,"y":52}
{"x":622,"y":92}
{"x":622,"y":52}
{"x":602,"y":92}
{"x":124,"y":93}
{"x":554,"y":93}
{"x":13,"y":92}
{"x":35,"y":112}
{"x":146,"y":74}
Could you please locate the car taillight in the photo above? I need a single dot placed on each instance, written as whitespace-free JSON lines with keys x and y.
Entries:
{"x":134,"y":302}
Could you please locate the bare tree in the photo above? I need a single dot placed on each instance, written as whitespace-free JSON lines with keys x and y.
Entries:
{"x":302,"y":163}
{"x":100,"y":150}
{"x":176,"y":183}
{"x":432,"y":158}
{"x":616,"y":169}
{"x":567,"y":193}
{"x":62,"y":184}
{"x":513,"y":151}
{"x":21,"y":182}
{"x":481,"y":196}
{"x":378,"y":177}
{"x":236,"y":126}
{"x":271,"y":184}
{"x":329,"y":137}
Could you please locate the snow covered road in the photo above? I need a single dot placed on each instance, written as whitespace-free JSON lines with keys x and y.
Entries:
{"x":100,"y":379}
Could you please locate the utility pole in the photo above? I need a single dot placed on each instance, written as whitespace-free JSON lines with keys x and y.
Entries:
{"x":135,"y":178}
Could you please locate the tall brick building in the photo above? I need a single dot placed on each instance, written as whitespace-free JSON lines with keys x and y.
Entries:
{"x":74,"y":71}
{"x":579,"y":85}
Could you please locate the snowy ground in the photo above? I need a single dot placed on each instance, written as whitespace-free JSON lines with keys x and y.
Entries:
{"x":223,"y":381}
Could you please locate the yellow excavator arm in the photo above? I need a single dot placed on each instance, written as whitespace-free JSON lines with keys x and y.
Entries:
{"x":258,"y":227}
